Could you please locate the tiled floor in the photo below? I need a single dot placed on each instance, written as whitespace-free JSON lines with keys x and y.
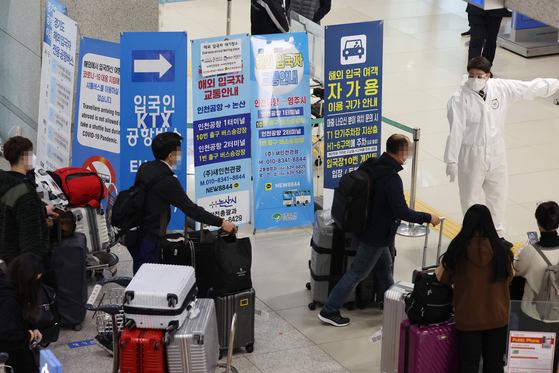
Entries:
{"x":424,"y":59}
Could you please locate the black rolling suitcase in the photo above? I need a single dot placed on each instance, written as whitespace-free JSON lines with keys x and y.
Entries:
{"x":242,"y":304}
{"x":197,"y":250}
{"x":368,"y":292}
{"x":69,"y":258}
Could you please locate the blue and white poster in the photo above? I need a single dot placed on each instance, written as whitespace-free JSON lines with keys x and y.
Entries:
{"x":96,"y":145}
{"x":153,"y":76}
{"x":221,"y":97}
{"x":49,"y":20}
{"x":281,"y":131}
{"x":352,"y":108}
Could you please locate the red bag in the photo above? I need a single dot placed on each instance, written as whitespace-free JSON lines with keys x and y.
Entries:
{"x":81,"y":186}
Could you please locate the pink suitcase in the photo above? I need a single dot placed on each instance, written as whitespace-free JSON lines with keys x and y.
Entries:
{"x":431,"y":348}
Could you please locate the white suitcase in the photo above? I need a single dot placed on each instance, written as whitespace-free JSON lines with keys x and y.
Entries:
{"x":195,"y":347}
{"x":92,"y":222}
{"x":160,"y":296}
{"x":393,"y":315}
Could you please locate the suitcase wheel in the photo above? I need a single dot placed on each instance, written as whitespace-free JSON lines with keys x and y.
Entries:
{"x":312,"y":306}
{"x":77,"y":327}
{"x":249,"y":347}
{"x":350,"y":306}
{"x":308,"y":285}
{"x":157,"y":345}
{"x":361,"y":305}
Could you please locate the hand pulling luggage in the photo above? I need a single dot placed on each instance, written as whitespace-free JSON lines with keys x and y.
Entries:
{"x":242,"y":304}
{"x":160,"y":296}
{"x":424,"y":268}
{"x":332,"y":253}
{"x":142,"y":351}
{"x":69,"y":263}
{"x":195,"y":346}
{"x":91,"y":222}
{"x":393,"y":315}
{"x":428,"y":349}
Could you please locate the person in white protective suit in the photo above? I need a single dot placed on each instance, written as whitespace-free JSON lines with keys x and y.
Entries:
{"x":475,"y":148}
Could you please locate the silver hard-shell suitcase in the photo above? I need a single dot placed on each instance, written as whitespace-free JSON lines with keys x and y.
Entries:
{"x":195,"y":347}
{"x":241,"y":303}
{"x":92,"y":222}
{"x":393,"y":315}
{"x":323,"y":241}
{"x":160,"y":296}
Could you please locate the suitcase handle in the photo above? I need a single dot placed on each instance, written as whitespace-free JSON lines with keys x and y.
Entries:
{"x":111,"y":309}
{"x":437,"y":260}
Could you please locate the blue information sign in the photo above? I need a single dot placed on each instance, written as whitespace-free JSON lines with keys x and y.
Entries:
{"x":51,"y":4}
{"x":49,"y":363}
{"x":281,"y":131}
{"x":153,"y":100}
{"x":221,"y":95}
{"x":352,"y":110}
{"x":522,"y":22}
{"x":96,"y":144}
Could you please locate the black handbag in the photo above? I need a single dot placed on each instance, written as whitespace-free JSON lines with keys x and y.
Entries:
{"x":47,"y":318}
{"x":430,"y":302}
{"x":234,"y":259}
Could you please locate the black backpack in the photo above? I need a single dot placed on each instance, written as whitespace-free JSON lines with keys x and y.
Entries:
{"x":351,"y":208}
{"x":430,"y":302}
{"x":127,"y":212}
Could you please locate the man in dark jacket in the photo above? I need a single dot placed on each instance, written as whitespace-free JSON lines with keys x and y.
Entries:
{"x":23,"y":224}
{"x":484,"y":25}
{"x":166,"y":191}
{"x":314,"y":10}
{"x":268,"y":17}
{"x":388,"y":207}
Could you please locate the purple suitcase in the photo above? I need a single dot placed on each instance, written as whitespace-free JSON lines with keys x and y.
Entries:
{"x":431,"y":348}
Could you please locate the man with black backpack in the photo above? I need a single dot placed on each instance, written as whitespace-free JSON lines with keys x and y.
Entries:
{"x":162,"y":189}
{"x":387,"y":209}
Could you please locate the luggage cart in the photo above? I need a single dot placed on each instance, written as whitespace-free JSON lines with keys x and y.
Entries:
{"x":3,"y":367}
{"x":111,"y":313}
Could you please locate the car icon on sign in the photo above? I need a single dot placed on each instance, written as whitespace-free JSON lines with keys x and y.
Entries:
{"x":353,"y":48}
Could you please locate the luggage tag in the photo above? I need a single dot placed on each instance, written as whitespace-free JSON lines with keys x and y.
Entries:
{"x":194,"y":311}
{"x":377,"y":337}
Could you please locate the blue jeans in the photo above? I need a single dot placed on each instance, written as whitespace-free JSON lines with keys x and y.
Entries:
{"x":367,"y":258}
{"x":144,"y":252}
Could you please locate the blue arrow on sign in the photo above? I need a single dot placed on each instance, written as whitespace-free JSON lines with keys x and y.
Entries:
{"x":153,"y":65}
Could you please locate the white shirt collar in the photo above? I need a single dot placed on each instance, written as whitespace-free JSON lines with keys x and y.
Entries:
{"x":168,"y":165}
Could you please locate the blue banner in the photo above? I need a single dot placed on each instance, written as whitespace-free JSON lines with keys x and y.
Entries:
{"x":153,"y":100}
{"x":96,"y":144}
{"x":51,"y":4}
{"x":221,"y":93}
{"x":281,"y":131}
{"x":353,"y":92}
{"x":522,"y":22}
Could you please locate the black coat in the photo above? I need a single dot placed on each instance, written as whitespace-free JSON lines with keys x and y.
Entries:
{"x":389,"y":206}
{"x":14,"y":331}
{"x":268,"y":17}
{"x":502,"y":12}
{"x":168,"y":191}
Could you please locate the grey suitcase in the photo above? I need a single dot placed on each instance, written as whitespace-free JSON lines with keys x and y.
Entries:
{"x":160,"y":296}
{"x":424,"y":268}
{"x":92,"y":222}
{"x":241,"y":303}
{"x":195,"y":346}
{"x":393,"y":315}
{"x":332,"y":253}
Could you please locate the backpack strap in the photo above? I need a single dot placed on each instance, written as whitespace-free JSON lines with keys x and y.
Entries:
{"x":537,"y":247}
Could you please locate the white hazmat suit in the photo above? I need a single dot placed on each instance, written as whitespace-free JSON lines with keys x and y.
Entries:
{"x":476,"y":141}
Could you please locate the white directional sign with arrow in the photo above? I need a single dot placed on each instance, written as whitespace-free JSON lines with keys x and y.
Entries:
{"x":160,"y":66}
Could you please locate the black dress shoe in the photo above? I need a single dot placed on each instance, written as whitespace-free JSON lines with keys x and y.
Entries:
{"x":465,"y":33}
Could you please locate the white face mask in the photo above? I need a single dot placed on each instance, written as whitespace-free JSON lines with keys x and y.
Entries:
{"x":407,"y":162}
{"x":476,"y":84}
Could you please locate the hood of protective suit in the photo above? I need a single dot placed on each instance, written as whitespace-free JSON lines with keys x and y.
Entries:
{"x":480,"y":252}
{"x":464,"y":85}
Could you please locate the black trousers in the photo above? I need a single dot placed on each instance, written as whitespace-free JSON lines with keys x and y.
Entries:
{"x":491,"y":344}
{"x":483,"y":27}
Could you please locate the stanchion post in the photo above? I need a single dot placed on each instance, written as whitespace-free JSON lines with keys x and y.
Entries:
{"x":228,"y":17}
{"x":405,"y":228}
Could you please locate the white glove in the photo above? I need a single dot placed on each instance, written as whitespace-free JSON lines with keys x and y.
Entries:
{"x":452,"y":171}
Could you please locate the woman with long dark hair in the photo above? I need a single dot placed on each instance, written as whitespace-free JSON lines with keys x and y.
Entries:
{"x":19,"y":300}
{"x":480,"y":266}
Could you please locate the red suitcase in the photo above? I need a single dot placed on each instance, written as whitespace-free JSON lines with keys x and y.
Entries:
{"x":429,"y":348}
{"x":142,"y":351}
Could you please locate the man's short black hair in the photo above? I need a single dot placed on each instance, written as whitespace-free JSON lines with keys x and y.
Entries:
{"x":395,"y":143}
{"x":480,"y":63}
{"x":164,"y":144}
